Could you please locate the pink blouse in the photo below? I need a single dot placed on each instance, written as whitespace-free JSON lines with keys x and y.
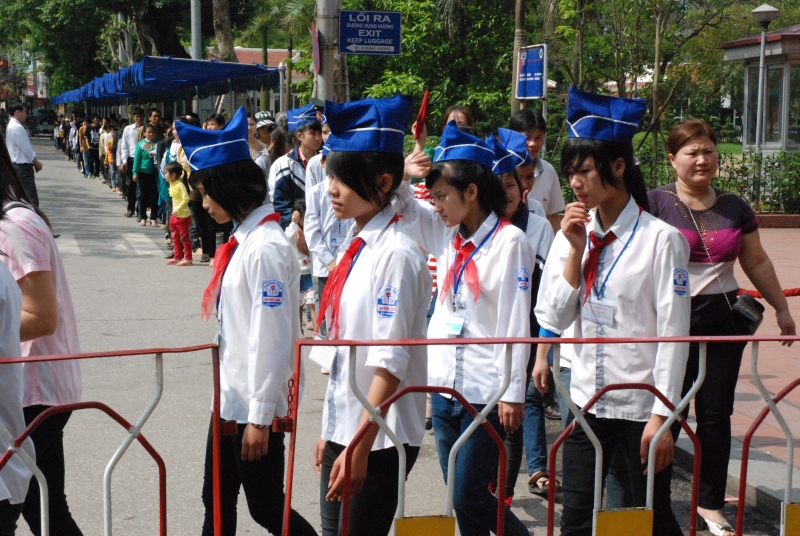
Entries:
{"x":28,"y":246}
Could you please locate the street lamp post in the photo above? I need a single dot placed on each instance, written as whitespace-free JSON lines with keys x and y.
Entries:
{"x":281,"y":77}
{"x":764,"y":15}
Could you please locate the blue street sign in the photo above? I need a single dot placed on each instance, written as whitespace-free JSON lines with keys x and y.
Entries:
{"x":532,"y":78}
{"x":375,"y":33}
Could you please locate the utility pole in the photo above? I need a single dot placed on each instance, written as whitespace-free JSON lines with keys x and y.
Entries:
{"x":197,"y":43}
{"x":327,"y":27}
{"x":519,"y":42}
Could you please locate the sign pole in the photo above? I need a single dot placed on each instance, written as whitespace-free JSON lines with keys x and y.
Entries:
{"x":326,"y":29}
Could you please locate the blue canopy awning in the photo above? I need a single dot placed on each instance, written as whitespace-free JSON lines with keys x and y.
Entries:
{"x":157,"y":79}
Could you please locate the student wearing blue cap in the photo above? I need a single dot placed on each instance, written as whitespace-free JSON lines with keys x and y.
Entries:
{"x":546,"y":188}
{"x":539,"y":233}
{"x":484,"y":266}
{"x":379,"y":289}
{"x":516,"y":144}
{"x":253,"y":286}
{"x":287,"y":175}
{"x":614,"y":270}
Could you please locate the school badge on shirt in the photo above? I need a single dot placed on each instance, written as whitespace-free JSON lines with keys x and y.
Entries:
{"x":272,"y":293}
{"x":387,"y":302}
{"x":523,"y":279}
{"x":680,"y":279}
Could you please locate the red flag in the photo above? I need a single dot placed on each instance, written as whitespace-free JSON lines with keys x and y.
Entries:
{"x":422,"y":116}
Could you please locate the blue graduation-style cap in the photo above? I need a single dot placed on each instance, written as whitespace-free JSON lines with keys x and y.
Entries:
{"x":374,"y":125}
{"x":210,"y":148}
{"x":600,"y":117}
{"x":515,"y":143}
{"x":298,"y":117}
{"x":458,"y":145}
{"x":504,"y":161}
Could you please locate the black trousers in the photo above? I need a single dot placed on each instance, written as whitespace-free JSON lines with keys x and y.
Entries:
{"x":578,"y":485}
{"x":48,"y":439}
{"x":714,"y":402}
{"x":130,"y":187}
{"x":262,"y":481}
{"x":9,"y":514}
{"x":372,"y":509}
{"x":148,"y":195}
{"x":26,"y":175}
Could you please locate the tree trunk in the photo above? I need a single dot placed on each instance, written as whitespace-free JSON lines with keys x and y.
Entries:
{"x":656,"y":121}
{"x":222,"y":31}
{"x":519,"y":42}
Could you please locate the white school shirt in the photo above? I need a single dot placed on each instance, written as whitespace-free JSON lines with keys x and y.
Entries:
{"x":546,"y":188}
{"x":15,"y":476}
{"x":505,"y":264}
{"x":385,"y":297}
{"x":315,"y":172}
{"x":258,"y":322}
{"x":540,"y":235}
{"x":649,"y":289}
{"x":128,"y":142}
{"x":302,"y":259}
{"x":19,"y":146}
{"x":321,"y":225}
{"x":535,"y":207}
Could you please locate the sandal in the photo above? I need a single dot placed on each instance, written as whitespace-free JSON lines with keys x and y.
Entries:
{"x":539,"y":484}
{"x":716,"y":529}
{"x":142,"y":223}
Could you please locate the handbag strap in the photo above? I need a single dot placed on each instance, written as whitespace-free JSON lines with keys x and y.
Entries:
{"x":702,"y":240}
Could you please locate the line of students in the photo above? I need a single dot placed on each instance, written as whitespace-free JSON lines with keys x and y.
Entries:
{"x":488,"y":249}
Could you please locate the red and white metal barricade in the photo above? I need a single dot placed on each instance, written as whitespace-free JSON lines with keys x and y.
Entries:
{"x":290,"y":423}
{"x":134,"y":432}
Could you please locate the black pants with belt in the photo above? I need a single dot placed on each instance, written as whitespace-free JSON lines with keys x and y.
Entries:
{"x":26,"y":176}
{"x":261,"y":480}
{"x":623,"y":438}
{"x":148,"y":195}
{"x":130,"y":187}
{"x":372,"y":509}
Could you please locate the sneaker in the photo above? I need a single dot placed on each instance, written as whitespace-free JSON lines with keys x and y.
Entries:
{"x":138,"y":219}
{"x":173,"y":261}
{"x":185,"y":262}
{"x":170,"y":254}
{"x":204,"y":258}
{"x":429,"y":424}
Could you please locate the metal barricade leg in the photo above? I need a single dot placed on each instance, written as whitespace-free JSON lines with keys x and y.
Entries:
{"x":44,"y":504}
{"x":581,"y":420}
{"x":132,"y":434}
{"x":789,"y":512}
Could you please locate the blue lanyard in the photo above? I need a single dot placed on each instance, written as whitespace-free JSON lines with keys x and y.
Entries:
{"x":600,"y":292}
{"x":358,"y":254}
{"x":457,"y":277}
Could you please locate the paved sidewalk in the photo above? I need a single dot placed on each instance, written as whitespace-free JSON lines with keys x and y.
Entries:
{"x":778,"y":366}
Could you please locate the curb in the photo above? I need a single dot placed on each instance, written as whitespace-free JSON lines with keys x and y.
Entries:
{"x":766,"y":476}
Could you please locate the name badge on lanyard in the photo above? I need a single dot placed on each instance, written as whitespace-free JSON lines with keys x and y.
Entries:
{"x":324,"y":356}
{"x":599,"y":311}
{"x":338,"y":234}
{"x":454,"y":322}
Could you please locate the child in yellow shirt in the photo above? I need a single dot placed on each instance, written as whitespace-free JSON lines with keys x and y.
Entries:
{"x":181,"y":216}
